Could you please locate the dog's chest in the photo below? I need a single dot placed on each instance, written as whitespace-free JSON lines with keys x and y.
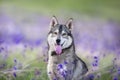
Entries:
{"x":61,"y":68}
{"x":65,"y":60}
{"x":61,"y":65}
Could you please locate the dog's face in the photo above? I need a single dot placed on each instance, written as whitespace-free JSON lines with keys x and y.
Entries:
{"x":60,"y":34}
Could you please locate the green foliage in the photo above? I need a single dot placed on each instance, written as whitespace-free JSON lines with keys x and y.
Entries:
{"x":108,"y":9}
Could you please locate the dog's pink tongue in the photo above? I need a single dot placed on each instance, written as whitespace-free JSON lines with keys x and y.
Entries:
{"x":58,"y":49}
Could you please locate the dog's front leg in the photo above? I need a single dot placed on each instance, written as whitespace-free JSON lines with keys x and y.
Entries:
{"x":52,"y":76}
{"x":50,"y":72}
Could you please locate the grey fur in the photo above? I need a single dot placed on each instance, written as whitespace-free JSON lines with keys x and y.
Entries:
{"x":70,"y":64}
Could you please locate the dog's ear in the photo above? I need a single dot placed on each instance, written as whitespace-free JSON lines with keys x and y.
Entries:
{"x":53,"y":22}
{"x":69,"y":24}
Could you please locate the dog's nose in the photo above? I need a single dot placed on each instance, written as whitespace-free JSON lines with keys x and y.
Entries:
{"x":58,"y":41}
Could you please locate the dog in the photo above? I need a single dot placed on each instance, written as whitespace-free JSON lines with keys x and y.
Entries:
{"x":63,"y":63}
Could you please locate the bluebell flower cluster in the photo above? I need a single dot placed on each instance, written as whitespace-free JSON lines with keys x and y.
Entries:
{"x":14,"y":73}
{"x":91,"y":77}
{"x":95,"y":61}
{"x":62,"y":70}
{"x":115,"y":78}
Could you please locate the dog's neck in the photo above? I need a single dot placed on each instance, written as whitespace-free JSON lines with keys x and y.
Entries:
{"x":67,"y":55}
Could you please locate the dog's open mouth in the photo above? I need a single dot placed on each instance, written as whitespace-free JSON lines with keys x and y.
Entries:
{"x":58,"y":49}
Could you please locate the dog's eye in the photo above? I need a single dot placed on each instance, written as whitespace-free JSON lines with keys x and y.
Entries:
{"x":55,"y":33}
{"x":64,"y":34}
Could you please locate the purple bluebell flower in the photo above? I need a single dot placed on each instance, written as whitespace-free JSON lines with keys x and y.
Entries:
{"x":46,"y":47}
{"x":14,"y":74}
{"x":15,"y":68}
{"x":17,"y":38}
{"x":25,"y":45}
{"x":37,"y":72}
{"x":91,"y":76}
{"x":4,"y":65}
{"x":62,"y":70}
{"x":60,"y":66}
{"x":118,"y":71}
{"x":115,"y":78}
{"x":38,"y":42}
{"x":1,"y":40}
{"x":15,"y":60}
{"x":115,"y":59}
{"x":55,"y":79}
{"x":1,"y":49}
{"x":64,"y":73}
{"x":98,"y":76}
{"x":94,"y":64}
{"x":95,"y":57}
{"x":65,"y":62}
{"x":95,"y":61}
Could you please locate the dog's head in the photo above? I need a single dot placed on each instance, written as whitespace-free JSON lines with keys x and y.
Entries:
{"x":60,"y":36}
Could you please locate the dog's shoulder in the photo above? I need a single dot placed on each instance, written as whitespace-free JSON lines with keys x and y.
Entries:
{"x":84,"y":66}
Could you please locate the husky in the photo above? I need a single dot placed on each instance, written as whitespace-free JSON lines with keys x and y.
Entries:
{"x":63,"y":63}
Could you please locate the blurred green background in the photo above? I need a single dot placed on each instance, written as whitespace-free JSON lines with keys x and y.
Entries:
{"x":30,"y":18}
{"x":107,"y":9}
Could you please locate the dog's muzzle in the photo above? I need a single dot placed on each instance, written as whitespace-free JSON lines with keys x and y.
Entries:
{"x":58,"y":41}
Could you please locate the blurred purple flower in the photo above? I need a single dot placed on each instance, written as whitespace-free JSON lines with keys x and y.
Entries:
{"x":1,"y":49}
{"x":17,"y":38}
{"x":98,"y":76}
{"x":55,"y":79}
{"x":37,"y":72}
{"x":94,"y":64}
{"x":91,"y":76}
{"x":38,"y":42}
{"x":25,"y":45}
{"x":115,"y":59}
{"x":95,"y":57}
{"x":95,"y":61}
{"x":14,"y":68}
{"x":32,"y":42}
{"x":15,"y":60}
{"x":2,"y":66}
{"x":14,"y":74}
{"x":60,"y":66}
{"x":118,"y":71}
{"x":65,"y":62}
{"x":62,"y":70}
{"x":1,"y":40}
{"x":115,"y":78}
